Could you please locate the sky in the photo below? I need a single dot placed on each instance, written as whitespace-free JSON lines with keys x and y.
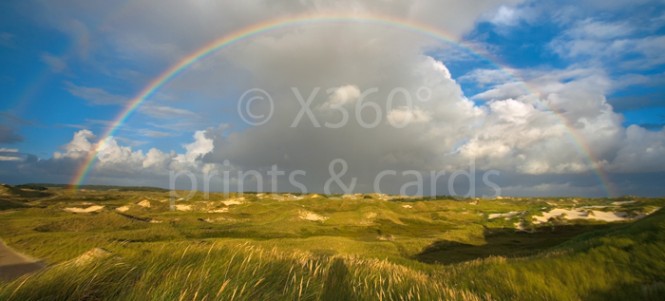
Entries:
{"x":421,"y":97}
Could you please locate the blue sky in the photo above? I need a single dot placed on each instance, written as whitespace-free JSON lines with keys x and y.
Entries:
{"x":69,"y":68}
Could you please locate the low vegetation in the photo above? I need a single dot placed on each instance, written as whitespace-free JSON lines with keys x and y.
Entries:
{"x":314,"y":247}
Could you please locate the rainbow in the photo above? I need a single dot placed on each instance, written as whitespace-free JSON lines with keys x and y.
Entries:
{"x":276,"y":24}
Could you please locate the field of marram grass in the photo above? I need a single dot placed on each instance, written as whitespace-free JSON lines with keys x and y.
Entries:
{"x":123,"y":244}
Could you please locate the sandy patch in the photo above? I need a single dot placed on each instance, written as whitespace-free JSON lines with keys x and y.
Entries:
{"x":355,"y":196}
{"x":183,"y":207}
{"x":90,"y":209}
{"x":90,"y":256}
{"x":608,"y":216}
{"x":519,"y":226}
{"x":581,"y":214}
{"x":14,"y":264}
{"x":621,"y":203}
{"x":311,"y":216}
{"x":235,"y":201}
{"x":144,"y":204}
{"x":122,"y":209}
{"x":407,"y":206}
{"x":506,"y":215}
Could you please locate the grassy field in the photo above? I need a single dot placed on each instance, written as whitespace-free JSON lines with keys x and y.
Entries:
{"x":133,"y":245}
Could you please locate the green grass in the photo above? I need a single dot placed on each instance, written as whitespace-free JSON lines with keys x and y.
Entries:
{"x":362,"y":249}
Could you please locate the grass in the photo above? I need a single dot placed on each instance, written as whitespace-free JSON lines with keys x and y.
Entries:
{"x":364,"y":249}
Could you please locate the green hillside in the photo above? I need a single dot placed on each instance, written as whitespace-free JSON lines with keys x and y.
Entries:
{"x":132,"y":246}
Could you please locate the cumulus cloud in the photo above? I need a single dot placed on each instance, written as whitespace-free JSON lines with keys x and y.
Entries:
{"x":114,"y":163}
{"x":79,"y":147}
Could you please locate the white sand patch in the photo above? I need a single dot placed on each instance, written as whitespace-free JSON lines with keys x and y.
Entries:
{"x":608,"y":216}
{"x":507,"y":215}
{"x":287,"y":197}
{"x":311,"y":216}
{"x":234,"y":201}
{"x":144,"y":204}
{"x":155,"y":221}
{"x":621,"y":203}
{"x":90,"y":209}
{"x":407,"y":206}
{"x":90,"y":256}
{"x":122,"y":209}
{"x":581,"y":214}
{"x":519,"y":226}
{"x":183,"y":207}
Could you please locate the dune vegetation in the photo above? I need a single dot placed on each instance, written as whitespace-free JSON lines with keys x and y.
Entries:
{"x":123,"y":244}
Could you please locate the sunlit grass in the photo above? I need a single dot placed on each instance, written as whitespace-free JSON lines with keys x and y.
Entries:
{"x":364,"y":249}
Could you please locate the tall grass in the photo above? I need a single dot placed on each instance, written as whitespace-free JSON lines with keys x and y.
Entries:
{"x":263,"y":251}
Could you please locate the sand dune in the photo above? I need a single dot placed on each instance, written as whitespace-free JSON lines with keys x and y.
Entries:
{"x":90,"y":209}
{"x":581,"y":214}
{"x":311,"y":216}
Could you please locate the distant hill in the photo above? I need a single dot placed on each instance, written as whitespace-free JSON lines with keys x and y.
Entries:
{"x":15,"y":191}
{"x":43,"y":186}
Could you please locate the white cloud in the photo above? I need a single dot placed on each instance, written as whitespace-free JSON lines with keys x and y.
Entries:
{"x":600,"y":30}
{"x":56,"y":64}
{"x":165,"y":112}
{"x":154,"y":134}
{"x":485,"y":77}
{"x":341,"y":96}
{"x":122,"y":162}
{"x":642,"y":151}
{"x":201,"y":146}
{"x":505,"y":16}
{"x":95,"y":96}
{"x":79,"y":147}
{"x":10,"y":154}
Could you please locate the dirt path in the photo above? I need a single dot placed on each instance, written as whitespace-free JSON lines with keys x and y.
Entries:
{"x":14,"y":264}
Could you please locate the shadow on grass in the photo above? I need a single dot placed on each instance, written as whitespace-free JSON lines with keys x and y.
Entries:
{"x":7,"y":204}
{"x":504,"y":242}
